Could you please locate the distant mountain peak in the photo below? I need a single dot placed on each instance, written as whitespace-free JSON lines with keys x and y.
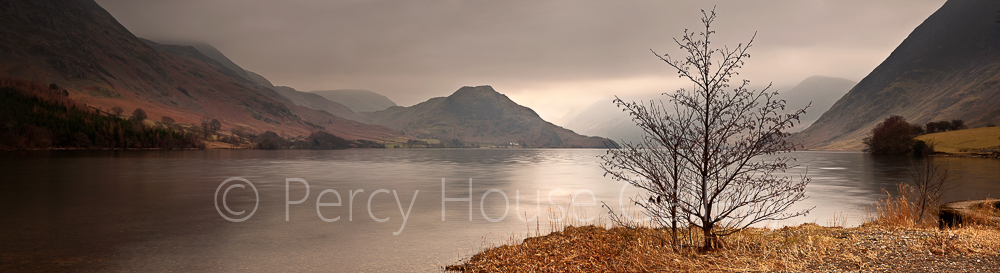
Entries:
{"x":482,"y":115}
{"x":480,"y":88}
{"x":483,"y":102}
{"x":817,"y":78}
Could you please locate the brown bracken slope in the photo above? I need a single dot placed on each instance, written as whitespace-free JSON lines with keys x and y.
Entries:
{"x":79,"y":46}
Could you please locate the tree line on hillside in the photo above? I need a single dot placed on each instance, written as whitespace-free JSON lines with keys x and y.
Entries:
{"x":34,"y":117}
{"x":320,"y":140}
{"x":944,"y":126}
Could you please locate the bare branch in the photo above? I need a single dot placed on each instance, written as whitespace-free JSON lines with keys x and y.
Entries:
{"x":699,"y":161}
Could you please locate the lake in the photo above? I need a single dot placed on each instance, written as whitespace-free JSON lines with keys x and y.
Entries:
{"x":380,"y":210}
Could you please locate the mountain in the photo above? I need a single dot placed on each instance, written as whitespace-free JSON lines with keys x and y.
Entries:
{"x":604,"y":118}
{"x":947,"y":68}
{"x":213,"y":57}
{"x":480,"y":115}
{"x":821,"y":91}
{"x":214,"y":53}
{"x":317,"y":102}
{"x":81,"y":48}
{"x":210,"y":54}
{"x":357,"y":99}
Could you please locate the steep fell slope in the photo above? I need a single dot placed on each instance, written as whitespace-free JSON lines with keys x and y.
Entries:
{"x":317,"y":102}
{"x":947,"y":68}
{"x":358,"y":100}
{"x":209,"y":54}
{"x":79,"y":46}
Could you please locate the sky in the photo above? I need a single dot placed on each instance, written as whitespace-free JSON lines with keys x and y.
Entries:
{"x":552,"y":56}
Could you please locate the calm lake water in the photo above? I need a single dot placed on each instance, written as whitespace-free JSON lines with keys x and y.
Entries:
{"x":150,"y":210}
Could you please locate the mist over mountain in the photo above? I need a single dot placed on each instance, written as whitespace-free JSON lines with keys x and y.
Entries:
{"x":821,"y":91}
{"x":604,"y":118}
{"x":80,"y":47}
{"x":480,"y":115}
{"x":210,"y":54}
{"x":947,"y":68}
{"x":317,"y":102}
{"x":359,"y":100}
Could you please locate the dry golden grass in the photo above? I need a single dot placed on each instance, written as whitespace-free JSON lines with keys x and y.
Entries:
{"x":891,"y":239}
{"x":899,"y":211}
{"x":808,"y":247}
{"x":988,"y":208}
{"x":592,"y":248}
{"x":984,"y":214}
{"x":964,"y":141}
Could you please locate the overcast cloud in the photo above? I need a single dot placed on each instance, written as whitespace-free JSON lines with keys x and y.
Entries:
{"x":551,"y":56}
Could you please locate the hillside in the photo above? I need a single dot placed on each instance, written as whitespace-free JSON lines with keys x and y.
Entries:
{"x":947,"y":68}
{"x":480,"y":115}
{"x":358,"y":100}
{"x":80,"y":47}
{"x":210,"y":54}
{"x":317,"y":102}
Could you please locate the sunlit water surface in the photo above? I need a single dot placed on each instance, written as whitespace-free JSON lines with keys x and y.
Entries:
{"x":141,"y":211}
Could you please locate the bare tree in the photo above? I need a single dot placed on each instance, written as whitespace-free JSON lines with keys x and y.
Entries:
{"x":215,"y":125}
{"x":699,"y":161}
{"x":238,"y":133}
{"x":930,"y":181}
{"x":117,"y":110}
{"x":206,"y":123}
{"x":653,"y":164}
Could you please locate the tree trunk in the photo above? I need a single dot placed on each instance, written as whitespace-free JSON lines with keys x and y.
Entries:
{"x":709,"y":237}
{"x":673,"y":230}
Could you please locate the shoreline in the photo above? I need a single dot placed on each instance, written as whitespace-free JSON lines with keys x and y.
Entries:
{"x":994,"y":155}
{"x":807,"y":247}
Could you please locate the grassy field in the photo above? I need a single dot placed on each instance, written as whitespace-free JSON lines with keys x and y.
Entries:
{"x":964,"y":141}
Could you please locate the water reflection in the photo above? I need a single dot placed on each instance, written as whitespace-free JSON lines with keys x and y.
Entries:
{"x":154,"y":210}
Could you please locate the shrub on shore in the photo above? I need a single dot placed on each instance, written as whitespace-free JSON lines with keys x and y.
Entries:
{"x":894,"y":136}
